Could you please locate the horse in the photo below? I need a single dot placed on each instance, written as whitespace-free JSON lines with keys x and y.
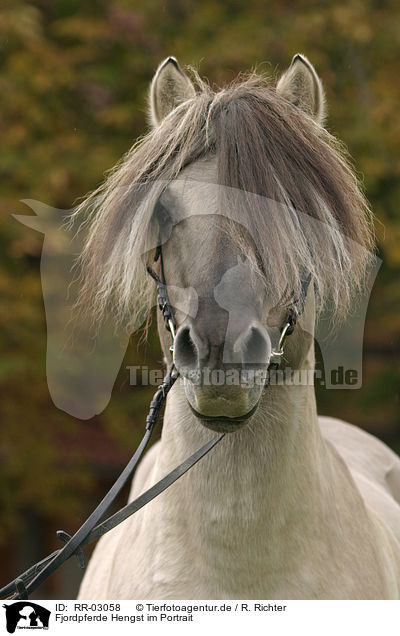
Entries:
{"x":245,"y":193}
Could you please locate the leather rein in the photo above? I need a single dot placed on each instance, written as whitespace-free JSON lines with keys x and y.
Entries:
{"x":91,"y":530}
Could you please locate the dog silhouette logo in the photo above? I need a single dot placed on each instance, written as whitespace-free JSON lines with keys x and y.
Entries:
{"x":26,"y":615}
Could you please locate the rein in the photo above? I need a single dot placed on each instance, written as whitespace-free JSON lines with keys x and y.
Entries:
{"x":91,"y":530}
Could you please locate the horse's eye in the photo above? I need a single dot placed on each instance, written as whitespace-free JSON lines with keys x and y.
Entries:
{"x":163,"y":218}
{"x":287,"y":300}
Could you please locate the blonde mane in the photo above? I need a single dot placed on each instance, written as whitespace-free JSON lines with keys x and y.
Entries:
{"x":263,"y":145}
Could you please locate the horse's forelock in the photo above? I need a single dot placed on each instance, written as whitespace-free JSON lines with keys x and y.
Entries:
{"x":264,"y":146}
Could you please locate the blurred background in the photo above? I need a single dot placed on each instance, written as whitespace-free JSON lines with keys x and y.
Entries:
{"x":74,"y":77}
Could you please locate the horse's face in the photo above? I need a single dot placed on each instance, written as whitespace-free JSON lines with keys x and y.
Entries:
{"x":225,"y":324}
{"x":239,"y":263}
{"x":223,"y":342}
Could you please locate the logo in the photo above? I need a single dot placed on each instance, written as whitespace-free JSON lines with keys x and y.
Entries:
{"x":26,"y":615}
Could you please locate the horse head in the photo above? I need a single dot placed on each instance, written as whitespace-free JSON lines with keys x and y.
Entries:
{"x":245,"y":195}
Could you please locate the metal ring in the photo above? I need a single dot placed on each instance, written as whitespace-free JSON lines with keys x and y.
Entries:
{"x":279,"y":353}
{"x":172,"y":330}
{"x":283,"y":336}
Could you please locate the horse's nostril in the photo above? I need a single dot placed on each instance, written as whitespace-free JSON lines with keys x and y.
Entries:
{"x":185,"y":350}
{"x":253,"y":347}
{"x":256,"y":348}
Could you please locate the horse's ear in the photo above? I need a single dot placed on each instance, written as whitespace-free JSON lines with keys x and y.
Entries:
{"x":301,"y":85}
{"x":170,"y":87}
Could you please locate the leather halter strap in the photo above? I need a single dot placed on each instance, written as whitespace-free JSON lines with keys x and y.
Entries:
{"x":27,"y":582}
{"x":162,"y":295}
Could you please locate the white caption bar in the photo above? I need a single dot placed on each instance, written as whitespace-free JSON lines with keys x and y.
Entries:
{"x":171,"y":617}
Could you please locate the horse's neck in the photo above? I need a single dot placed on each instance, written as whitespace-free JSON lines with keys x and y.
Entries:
{"x":271,"y":470}
{"x":272,"y":498}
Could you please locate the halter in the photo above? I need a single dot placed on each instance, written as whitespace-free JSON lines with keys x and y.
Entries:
{"x":165,"y":307}
{"x":91,"y":530}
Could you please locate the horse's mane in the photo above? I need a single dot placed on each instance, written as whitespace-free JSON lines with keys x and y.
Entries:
{"x":263,"y":145}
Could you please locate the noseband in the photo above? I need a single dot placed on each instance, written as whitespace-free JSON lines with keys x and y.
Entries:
{"x":91,"y":530}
